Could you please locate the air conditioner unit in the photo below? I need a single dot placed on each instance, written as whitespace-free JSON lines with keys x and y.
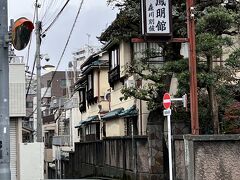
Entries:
{"x":129,"y":83}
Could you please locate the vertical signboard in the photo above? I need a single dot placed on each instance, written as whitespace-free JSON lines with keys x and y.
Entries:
{"x":156,"y":18}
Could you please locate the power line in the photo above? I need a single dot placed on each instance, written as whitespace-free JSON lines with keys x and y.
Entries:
{"x":29,"y":84}
{"x":49,"y":7}
{"x":28,"y":54}
{"x":67,"y":42}
{"x":55,"y":19}
{"x":64,"y":50}
{"x":42,"y":5}
{"x":48,"y":18}
{"x":30,"y":42}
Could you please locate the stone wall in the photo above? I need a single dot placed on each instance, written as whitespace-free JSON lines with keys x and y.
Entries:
{"x":207,"y":157}
{"x":157,"y":149}
{"x":140,"y":157}
{"x":118,"y":157}
{"x":179,"y":158}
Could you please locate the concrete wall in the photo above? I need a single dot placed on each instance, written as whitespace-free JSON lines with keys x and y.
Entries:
{"x":31,"y":161}
{"x":207,"y":157}
{"x":118,"y":157}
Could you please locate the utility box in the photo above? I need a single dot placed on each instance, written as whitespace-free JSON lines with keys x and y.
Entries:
{"x":31,"y":161}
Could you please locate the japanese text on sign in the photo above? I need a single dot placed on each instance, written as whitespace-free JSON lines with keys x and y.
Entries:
{"x":157,"y":16}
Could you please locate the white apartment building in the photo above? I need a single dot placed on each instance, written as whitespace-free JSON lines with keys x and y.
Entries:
{"x":17,"y":108}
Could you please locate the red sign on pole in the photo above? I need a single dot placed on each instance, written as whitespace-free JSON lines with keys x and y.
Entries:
{"x":166,"y":100}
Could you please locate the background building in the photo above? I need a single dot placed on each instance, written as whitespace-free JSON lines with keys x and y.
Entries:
{"x":17,"y":108}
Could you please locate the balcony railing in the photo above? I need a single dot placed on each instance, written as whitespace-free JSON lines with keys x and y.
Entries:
{"x":61,"y":140}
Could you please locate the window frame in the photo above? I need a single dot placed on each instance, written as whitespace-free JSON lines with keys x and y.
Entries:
{"x":90,"y":81}
{"x":27,"y":104}
{"x":114,"y":57}
{"x":65,"y":83}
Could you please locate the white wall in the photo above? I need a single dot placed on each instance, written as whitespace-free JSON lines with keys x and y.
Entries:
{"x":76,"y":115}
{"x":17,"y":95}
{"x":115,"y":98}
{"x":31,"y":161}
{"x":115,"y":127}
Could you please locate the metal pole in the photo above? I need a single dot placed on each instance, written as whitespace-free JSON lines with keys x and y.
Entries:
{"x":60,"y":168}
{"x":134,"y":152}
{"x":192,"y":68}
{"x":4,"y":95}
{"x":38,"y":67}
{"x":170,"y":148}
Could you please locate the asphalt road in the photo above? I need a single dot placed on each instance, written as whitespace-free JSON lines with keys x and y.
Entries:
{"x":97,"y":178}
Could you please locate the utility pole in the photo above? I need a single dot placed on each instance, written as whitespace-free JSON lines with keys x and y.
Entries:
{"x":5,"y":173}
{"x":192,"y":67}
{"x":38,"y":68}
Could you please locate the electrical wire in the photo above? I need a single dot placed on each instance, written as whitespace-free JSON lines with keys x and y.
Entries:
{"x":55,"y":19}
{"x":67,"y":42}
{"x":28,"y":54}
{"x":57,"y":5}
{"x":42,"y":5}
{"x":49,"y":8}
{"x":29,"y":84}
{"x":63,"y":52}
{"x":30,"y":41}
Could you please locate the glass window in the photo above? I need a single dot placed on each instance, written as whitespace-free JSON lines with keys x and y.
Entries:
{"x":88,"y":130}
{"x":114,"y":58}
{"x":49,"y":83}
{"x":93,"y":129}
{"x":63,"y":83}
{"x":81,"y":96}
{"x":89,"y":81}
{"x":29,"y":104}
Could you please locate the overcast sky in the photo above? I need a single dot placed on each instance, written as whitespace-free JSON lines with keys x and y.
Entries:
{"x":94,"y":17}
